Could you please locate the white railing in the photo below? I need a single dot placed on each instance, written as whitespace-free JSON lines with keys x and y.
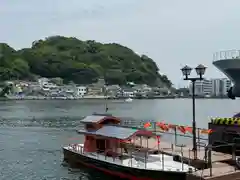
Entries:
{"x":131,"y":162}
{"x":229,"y":54}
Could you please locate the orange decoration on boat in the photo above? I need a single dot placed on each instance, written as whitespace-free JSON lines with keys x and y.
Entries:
{"x":158,"y":124}
{"x":172,"y":126}
{"x":188,"y":129}
{"x":163,"y":126}
{"x":206,"y":131}
{"x":146,"y":125}
{"x":182,"y":129}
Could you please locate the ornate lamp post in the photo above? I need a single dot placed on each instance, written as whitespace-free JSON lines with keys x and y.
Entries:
{"x":186,"y":71}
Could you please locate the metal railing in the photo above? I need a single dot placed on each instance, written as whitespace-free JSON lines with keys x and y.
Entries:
{"x":229,"y":54}
{"x":208,"y":154}
{"x":201,"y":145}
{"x":157,"y":130}
{"x":134,"y":160}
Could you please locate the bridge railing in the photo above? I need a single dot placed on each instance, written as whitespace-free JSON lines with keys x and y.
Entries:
{"x":229,"y":54}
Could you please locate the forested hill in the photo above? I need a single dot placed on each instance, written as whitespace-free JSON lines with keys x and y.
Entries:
{"x":80,"y":61}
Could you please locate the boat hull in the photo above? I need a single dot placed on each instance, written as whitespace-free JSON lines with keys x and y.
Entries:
{"x":121,"y":171}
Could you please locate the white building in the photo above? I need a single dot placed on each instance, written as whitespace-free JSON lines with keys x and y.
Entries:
{"x":128,"y":92}
{"x":48,"y":86}
{"x":81,"y":90}
{"x":220,"y":86}
{"x":213,"y":87}
{"x":226,"y":85}
{"x":202,"y":88}
{"x":43,"y":81}
{"x":216,"y":87}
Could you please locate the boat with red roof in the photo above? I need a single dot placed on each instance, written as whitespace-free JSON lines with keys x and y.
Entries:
{"x":109,"y":148}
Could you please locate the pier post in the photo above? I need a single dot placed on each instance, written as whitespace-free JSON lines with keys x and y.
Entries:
{"x":210,"y":160}
{"x":141,"y":141}
{"x":206,"y":154}
{"x":199,"y":147}
{"x":189,"y":157}
{"x":162,"y":159}
{"x":121,"y":153}
{"x":146,"y":154}
{"x":105,"y":144}
{"x":131,"y":157}
{"x":158,"y":146}
{"x":182,"y":156}
{"x":234,"y":154}
{"x":145,"y":162}
{"x":181,"y":152}
{"x":175,"y":136}
{"x":114,"y":150}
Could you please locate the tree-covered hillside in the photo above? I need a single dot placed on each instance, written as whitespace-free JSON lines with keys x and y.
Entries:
{"x":80,"y":61}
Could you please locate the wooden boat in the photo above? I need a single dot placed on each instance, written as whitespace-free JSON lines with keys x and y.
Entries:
{"x":109,"y":148}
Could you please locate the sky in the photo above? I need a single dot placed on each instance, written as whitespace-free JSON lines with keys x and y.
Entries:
{"x":173,"y":33}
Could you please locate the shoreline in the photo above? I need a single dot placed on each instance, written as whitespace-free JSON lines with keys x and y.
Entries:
{"x":99,"y":98}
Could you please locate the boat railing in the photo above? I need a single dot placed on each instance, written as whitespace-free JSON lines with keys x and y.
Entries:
{"x":172,"y":135}
{"x":133,"y":160}
{"x":229,"y":54}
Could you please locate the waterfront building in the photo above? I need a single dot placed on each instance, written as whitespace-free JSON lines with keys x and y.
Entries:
{"x":112,"y":90}
{"x":43,"y":81}
{"x":216,"y":87}
{"x":226,"y":85}
{"x":127,"y":92}
{"x":220,"y":86}
{"x":212,"y":87}
{"x":81,"y":90}
{"x":202,"y":88}
{"x":97,"y":88}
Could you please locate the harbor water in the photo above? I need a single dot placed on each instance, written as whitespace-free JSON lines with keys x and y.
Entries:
{"x":32,"y":133}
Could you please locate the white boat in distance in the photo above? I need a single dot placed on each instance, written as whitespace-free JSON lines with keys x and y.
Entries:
{"x":128,"y":100}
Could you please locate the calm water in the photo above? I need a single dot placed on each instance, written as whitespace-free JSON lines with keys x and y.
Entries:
{"x":33,"y":132}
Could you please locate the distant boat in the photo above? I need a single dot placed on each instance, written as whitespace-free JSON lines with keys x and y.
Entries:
{"x":129,"y":100}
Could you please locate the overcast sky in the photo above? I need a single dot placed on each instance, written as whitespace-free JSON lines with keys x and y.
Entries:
{"x":172,"y":32}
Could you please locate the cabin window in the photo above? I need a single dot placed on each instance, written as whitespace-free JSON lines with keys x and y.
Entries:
{"x":108,"y":121}
{"x":90,"y":126}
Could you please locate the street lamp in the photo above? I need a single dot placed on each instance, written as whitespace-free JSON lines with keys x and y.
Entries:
{"x":186,"y":71}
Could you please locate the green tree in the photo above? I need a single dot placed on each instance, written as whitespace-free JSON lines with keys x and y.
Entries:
{"x":80,"y":61}
{"x":20,"y":68}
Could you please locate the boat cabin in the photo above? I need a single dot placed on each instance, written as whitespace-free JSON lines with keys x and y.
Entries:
{"x":103,"y":134}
